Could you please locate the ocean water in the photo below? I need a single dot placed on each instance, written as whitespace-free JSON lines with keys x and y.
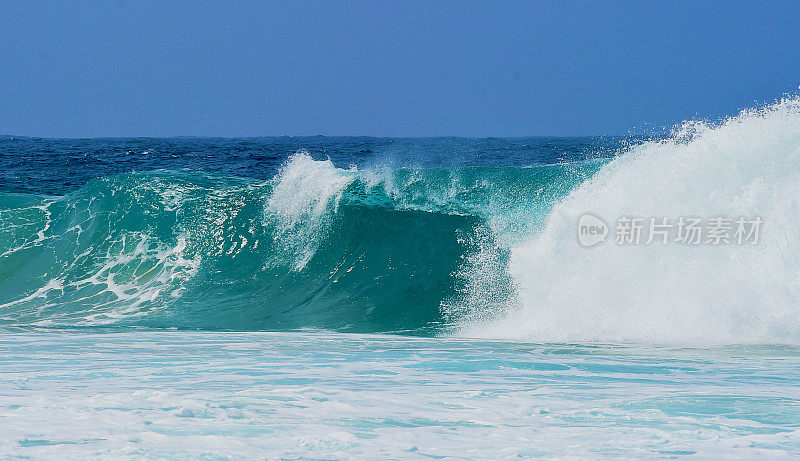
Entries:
{"x":322,"y":395}
{"x":406,"y":298}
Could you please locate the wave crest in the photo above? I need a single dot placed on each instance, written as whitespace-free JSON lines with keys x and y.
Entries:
{"x":747,"y":165}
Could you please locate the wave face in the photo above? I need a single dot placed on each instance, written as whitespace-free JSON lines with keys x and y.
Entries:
{"x":482,"y":245}
{"x":316,"y":246}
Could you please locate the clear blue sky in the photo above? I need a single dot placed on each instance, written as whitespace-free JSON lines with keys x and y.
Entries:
{"x":131,"y":68}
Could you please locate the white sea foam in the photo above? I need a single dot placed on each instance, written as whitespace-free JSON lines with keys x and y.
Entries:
{"x":133,"y":275}
{"x":749,"y":165}
{"x":135,"y":272}
{"x":303,"y":193}
{"x":190,"y":395}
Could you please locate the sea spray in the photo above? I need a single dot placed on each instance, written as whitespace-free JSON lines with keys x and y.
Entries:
{"x":305,"y":195}
{"x":747,"y":165}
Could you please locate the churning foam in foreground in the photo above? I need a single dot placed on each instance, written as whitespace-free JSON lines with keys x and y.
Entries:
{"x":749,"y":165}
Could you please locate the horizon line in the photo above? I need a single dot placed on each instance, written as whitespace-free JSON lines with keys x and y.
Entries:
{"x":76,"y":138}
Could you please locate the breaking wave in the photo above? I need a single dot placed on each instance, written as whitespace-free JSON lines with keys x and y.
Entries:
{"x":314,"y":247}
{"x":748,"y":165}
{"x":477,"y":251}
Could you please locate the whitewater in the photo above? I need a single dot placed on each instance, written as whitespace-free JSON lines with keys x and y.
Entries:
{"x":346,"y":297}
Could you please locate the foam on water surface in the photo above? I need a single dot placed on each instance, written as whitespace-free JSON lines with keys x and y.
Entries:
{"x":185,"y":395}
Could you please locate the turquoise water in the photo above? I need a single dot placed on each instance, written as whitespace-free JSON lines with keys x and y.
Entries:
{"x":358,"y":251}
{"x":324,"y":395}
{"x":333,"y":298}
